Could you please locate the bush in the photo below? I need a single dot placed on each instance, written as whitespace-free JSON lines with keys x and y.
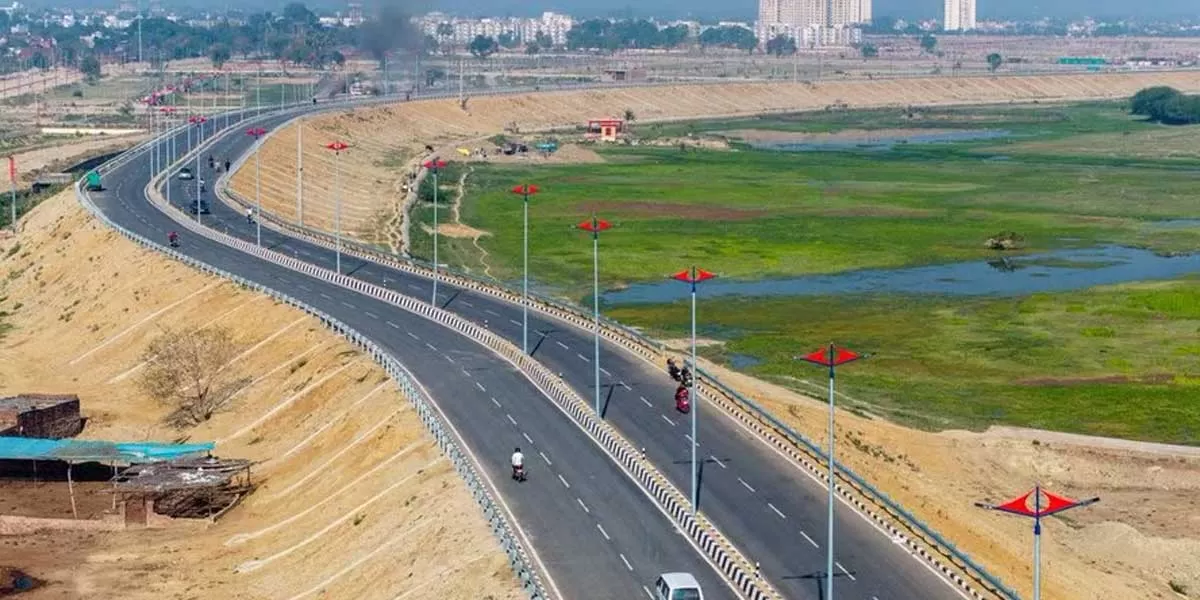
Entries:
{"x":1166,"y":105}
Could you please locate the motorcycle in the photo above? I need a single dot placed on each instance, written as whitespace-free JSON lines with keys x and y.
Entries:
{"x":682,"y":403}
{"x":518,"y":473}
{"x":673,"y":370}
{"x":685,"y":377}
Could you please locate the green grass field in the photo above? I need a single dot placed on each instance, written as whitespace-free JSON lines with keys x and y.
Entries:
{"x":1113,"y":361}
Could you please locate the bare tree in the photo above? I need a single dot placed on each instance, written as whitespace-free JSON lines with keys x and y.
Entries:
{"x":187,"y":372}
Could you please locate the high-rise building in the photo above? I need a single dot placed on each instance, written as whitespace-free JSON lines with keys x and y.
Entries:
{"x":960,"y":15}
{"x":804,"y":13}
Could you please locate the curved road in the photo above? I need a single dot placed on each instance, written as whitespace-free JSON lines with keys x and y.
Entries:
{"x":593,"y":529}
{"x":772,"y":510}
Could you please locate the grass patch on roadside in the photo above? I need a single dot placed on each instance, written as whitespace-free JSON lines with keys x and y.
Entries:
{"x":1117,"y":361}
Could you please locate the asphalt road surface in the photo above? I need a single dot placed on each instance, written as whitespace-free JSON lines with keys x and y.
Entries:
{"x":771,"y":509}
{"x":593,"y":529}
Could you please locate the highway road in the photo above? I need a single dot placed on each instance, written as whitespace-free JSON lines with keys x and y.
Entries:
{"x":594,"y":531}
{"x":771,"y":509}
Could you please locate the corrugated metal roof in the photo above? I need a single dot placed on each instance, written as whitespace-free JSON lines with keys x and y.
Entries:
{"x":23,"y":448}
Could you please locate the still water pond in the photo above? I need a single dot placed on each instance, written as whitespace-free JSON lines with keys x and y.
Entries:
{"x":1050,"y":272}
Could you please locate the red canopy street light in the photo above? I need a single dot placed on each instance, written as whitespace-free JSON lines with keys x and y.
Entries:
{"x":830,"y":357}
{"x":337,"y":148}
{"x":525,"y":190}
{"x":257,"y":133}
{"x":434,"y":165}
{"x":1020,"y":506}
{"x":694,"y":276}
{"x":595,"y":226}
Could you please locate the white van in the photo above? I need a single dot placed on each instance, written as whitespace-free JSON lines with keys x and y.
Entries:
{"x":677,"y":586}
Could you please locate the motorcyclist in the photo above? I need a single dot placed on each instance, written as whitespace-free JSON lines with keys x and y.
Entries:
{"x":685,"y":376}
{"x":173,"y":238}
{"x":250,"y":216}
{"x":518,"y":463}
{"x":672,"y":369}
{"x":681,"y":397}
{"x":227,"y":166}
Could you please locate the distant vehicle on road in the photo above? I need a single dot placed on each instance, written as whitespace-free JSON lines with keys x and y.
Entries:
{"x":677,"y":586}
{"x":185,"y":174}
{"x":204,"y":209}
{"x":93,"y":182}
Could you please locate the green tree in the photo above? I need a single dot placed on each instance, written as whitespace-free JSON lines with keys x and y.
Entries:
{"x":543,"y":40}
{"x":928,"y":43}
{"x":508,"y":40}
{"x":532,"y":48}
{"x":869,"y":51}
{"x":674,"y":36}
{"x":219,"y":54}
{"x":1148,"y":101}
{"x":483,"y":46}
{"x":89,"y":65}
{"x":994,"y":60}
{"x":781,"y":45}
{"x":729,"y":36}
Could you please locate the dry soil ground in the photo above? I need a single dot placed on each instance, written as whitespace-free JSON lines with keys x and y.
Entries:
{"x":355,"y":500}
{"x":1141,"y":537}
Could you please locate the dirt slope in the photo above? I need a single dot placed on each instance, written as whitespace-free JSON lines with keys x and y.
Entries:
{"x":387,"y":141}
{"x":355,"y":499}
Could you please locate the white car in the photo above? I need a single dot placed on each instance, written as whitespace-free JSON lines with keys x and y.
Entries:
{"x":185,"y":174}
{"x":677,"y":586}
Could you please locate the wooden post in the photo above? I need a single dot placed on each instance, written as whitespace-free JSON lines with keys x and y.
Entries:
{"x":71,"y":490}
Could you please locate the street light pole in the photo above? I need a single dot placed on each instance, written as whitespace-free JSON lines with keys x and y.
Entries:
{"x":595,"y":226}
{"x":694,"y":276}
{"x":198,"y":120}
{"x":300,"y":171}
{"x":257,"y":132}
{"x":830,"y":357}
{"x":525,"y":190}
{"x":337,"y":148}
{"x":434,"y":165}
{"x":1020,"y":506}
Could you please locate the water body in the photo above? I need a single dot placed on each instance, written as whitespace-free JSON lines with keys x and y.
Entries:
{"x":886,"y":142}
{"x":1177,"y":224}
{"x":1058,"y":271}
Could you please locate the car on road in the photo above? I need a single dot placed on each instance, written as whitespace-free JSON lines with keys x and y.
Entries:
{"x":185,"y":174}
{"x":204,"y":209}
{"x":677,"y":586}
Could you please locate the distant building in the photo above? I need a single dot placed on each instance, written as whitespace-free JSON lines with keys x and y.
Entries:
{"x":813,"y":23}
{"x":960,"y":15}
{"x":526,"y":30}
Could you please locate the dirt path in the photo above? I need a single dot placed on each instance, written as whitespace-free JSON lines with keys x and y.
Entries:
{"x":456,"y":210}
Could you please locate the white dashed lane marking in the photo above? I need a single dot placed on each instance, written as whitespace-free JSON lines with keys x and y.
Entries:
{"x":431,"y":346}
{"x":412,"y":335}
{"x":348,"y":305}
{"x":394,"y":326}
{"x":583,"y":506}
{"x":643,"y":399}
{"x":718,"y":461}
{"x":371,"y":314}
{"x":465,"y":303}
{"x":514,"y":321}
{"x":605,"y":371}
{"x":494,"y":400}
{"x":665,"y":418}
{"x":810,"y":540}
{"x":843,"y":569}
{"x":562,"y":345}
{"x":626,"y":561}
{"x":772,"y":507}
{"x":746,"y":485}
{"x":527,"y":438}
{"x":583,"y":358}
{"x":546,"y":458}
{"x":510,"y":419}
{"x":483,"y":389}
{"x":564,"y":482}
{"x":491,"y":312}
{"x":605,"y":533}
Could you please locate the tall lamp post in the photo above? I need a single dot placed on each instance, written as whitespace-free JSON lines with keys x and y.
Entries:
{"x":1020,"y":506}
{"x":168,"y":144}
{"x":198,"y":121}
{"x":337,"y":148}
{"x":595,"y":226}
{"x":694,"y":276}
{"x":830,"y":357}
{"x":434,"y":165}
{"x":257,"y":133}
{"x":525,"y":190}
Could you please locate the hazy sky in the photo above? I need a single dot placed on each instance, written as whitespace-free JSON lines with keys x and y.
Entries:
{"x":901,"y":8}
